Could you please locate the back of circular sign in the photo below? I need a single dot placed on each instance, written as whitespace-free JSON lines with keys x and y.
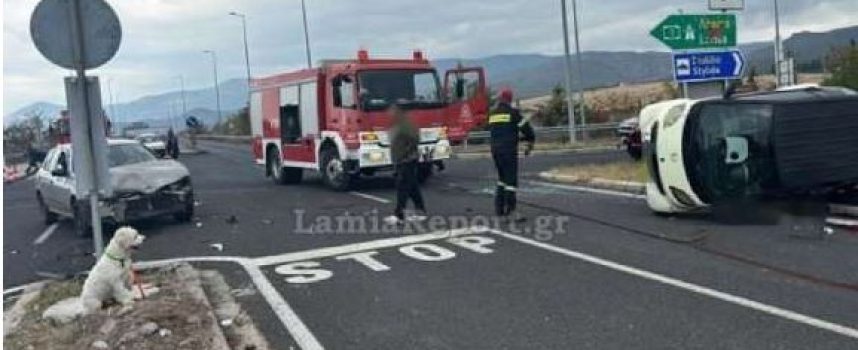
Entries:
{"x":51,"y":30}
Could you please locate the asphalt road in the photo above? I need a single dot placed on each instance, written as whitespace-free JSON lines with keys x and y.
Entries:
{"x":588,"y":270}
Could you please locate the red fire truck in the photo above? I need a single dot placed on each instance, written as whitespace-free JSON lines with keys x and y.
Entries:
{"x":334,"y":118}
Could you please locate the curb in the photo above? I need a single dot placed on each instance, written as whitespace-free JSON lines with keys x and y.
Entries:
{"x":488,"y":154}
{"x":632,"y":187}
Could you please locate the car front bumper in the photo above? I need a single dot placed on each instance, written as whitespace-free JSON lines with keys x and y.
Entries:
{"x":138,"y":206}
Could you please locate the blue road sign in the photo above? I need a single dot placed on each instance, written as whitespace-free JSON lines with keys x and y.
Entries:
{"x":704,"y":66}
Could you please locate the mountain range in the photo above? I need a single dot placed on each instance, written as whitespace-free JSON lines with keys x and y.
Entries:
{"x":529,"y":74}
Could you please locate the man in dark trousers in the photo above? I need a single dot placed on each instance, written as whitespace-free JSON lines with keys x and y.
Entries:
{"x":404,"y":138}
{"x":505,"y":126}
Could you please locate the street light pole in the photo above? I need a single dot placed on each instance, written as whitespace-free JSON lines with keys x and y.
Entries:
{"x":778,"y":49}
{"x":578,"y":58}
{"x":306,"y":34}
{"x":184,"y":102}
{"x":112,"y":105}
{"x":246,"y":51}
{"x":217,"y":89}
{"x":570,"y":107}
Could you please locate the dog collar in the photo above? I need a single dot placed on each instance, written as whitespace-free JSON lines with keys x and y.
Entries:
{"x":112,"y":257}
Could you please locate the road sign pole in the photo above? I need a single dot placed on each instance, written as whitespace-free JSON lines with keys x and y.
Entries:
{"x":570,"y":106}
{"x":87,"y":118}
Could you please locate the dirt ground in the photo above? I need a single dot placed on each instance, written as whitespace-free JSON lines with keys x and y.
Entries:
{"x":174,"y":318}
{"x":627,"y":170}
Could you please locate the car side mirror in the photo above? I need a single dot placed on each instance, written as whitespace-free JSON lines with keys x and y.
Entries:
{"x":60,"y":172}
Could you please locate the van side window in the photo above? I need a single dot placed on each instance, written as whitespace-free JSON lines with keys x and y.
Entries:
{"x":344,"y":92}
{"x":62,"y":162}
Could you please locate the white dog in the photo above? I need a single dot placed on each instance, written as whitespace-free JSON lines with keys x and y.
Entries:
{"x":111,"y":275}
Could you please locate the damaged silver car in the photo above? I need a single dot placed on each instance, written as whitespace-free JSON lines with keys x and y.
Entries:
{"x":144,"y":187}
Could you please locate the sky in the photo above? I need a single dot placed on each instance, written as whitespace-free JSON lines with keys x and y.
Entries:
{"x":163,"y":39}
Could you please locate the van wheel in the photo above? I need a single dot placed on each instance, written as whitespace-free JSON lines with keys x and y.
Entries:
{"x":81,"y":225}
{"x":281,"y":175}
{"x":49,"y":216}
{"x":333,"y":171}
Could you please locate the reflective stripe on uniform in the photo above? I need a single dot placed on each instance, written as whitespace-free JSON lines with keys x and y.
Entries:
{"x":511,"y":188}
{"x":499,"y":118}
{"x":501,"y":184}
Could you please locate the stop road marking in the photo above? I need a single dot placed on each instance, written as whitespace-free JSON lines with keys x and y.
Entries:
{"x":311,"y":271}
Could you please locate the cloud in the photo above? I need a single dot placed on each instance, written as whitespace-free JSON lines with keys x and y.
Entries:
{"x":163,"y":39}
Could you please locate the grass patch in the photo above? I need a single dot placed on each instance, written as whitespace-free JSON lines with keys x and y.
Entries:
{"x":621,"y":171}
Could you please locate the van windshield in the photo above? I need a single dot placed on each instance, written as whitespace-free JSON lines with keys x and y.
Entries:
{"x":411,"y":88}
{"x":727,"y":151}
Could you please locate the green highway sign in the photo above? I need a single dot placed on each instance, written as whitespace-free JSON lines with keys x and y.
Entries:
{"x":686,"y":32}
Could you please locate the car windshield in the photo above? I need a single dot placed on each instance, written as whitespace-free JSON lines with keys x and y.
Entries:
{"x":130,"y":153}
{"x":411,"y":88}
{"x":728,"y":151}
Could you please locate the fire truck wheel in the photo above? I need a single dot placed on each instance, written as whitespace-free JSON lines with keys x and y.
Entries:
{"x":424,"y":171}
{"x":333,"y":171}
{"x":281,"y":175}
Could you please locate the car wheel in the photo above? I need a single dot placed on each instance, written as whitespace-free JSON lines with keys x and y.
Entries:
{"x":81,"y":224}
{"x":49,"y":216}
{"x":333,"y":171}
{"x":188,"y":213}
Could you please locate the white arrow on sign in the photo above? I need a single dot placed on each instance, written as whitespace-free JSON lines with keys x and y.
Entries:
{"x":739,"y":63}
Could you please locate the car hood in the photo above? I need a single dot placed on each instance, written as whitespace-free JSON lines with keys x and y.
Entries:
{"x":146,"y":177}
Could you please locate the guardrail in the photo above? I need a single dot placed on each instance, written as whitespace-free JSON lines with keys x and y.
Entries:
{"x":556,"y":133}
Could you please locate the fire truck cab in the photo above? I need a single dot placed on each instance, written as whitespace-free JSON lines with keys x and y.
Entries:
{"x":334,"y":118}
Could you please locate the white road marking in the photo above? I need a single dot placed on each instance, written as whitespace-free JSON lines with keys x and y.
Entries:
{"x":589,"y":190}
{"x":370,"y":197}
{"x":47,"y":234}
{"x":363,"y":246}
{"x":297,"y":329}
{"x":734,"y":299}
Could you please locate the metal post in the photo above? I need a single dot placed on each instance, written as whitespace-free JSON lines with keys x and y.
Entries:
{"x":246,"y":50}
{"x":570,"y":106}
{"x":110,"y":99}
{"x":95,"y":215}
{"x":778,"y":49}
{"x":184,"y":103}
{"x":581,"y":111}
{"x":306,"y":34}
{"x":217,"y":89}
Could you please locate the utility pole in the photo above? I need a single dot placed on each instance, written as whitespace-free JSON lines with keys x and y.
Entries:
{"x":184,"y":102}
{"x":246,"y":51}
{"x":778,"y":50}
{"x":570,"y":106}
{"x":217,"y":89}
{"x":113,"y":115}
{"x":581,"y":112}
{"x":306,"y":34}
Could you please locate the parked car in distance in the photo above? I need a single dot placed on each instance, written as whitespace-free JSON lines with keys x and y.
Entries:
{"x":143,"y":187}
{"x":154,"y":143}
{"x":630,"y":137}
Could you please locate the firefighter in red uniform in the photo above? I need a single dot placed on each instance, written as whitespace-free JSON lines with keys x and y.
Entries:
{"x":506,"y":124}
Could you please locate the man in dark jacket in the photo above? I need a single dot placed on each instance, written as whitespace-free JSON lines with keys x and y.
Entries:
{"x":505,"y":126}
{"x":404,"y":138}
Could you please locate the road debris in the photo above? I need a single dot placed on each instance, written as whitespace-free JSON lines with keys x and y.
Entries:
{"x":217,"y":246}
